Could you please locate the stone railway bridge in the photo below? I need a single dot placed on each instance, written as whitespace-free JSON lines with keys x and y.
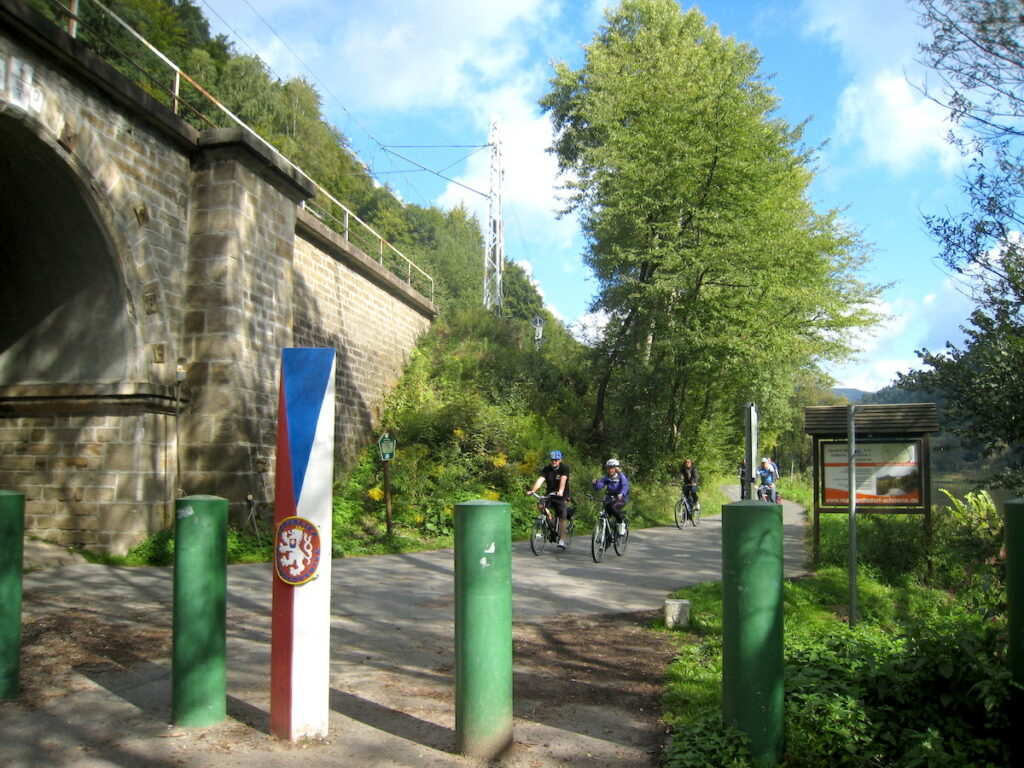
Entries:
{"x":134,"y":251}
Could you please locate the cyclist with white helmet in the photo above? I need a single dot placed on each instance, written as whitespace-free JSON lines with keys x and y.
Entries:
{"x":616,"y":491}
{"x":556,"y":476}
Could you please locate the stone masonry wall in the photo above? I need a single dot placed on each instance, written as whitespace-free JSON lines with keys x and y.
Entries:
{"x":239,"y":317}
{"x":95,"y":471}
{"x":220,"y":268}
{"x":89,"y":480}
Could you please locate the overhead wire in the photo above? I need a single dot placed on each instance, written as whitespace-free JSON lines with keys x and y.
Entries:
{"x":388,"y":149}
{"x":369,"y":171}
{"x":383,"y":147}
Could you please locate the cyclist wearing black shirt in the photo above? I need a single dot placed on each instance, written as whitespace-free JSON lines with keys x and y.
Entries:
{"x":555,"y":476}
{"x":689,"y":478}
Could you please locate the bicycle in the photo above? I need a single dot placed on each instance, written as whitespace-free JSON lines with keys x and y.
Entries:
{"x":545,"y":528}
{"x":764,"y":493}
{"x":606,"y":533}
{"x":685,"y":511}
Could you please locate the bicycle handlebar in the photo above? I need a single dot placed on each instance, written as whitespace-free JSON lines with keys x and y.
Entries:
{"x":546,"y":496}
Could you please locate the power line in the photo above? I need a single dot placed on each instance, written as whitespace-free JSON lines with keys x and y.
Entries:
{"x":319,"y":82}
{"x":446,"y":178}
{"x":356,"y":120}
{"x":438,"y":146}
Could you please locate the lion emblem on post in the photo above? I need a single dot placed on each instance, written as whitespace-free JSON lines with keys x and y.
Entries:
{"x":296,"y":550}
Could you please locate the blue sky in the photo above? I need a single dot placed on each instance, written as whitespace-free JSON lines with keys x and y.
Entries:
{"x":424,"y":78}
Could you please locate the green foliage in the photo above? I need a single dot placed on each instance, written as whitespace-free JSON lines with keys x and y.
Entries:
{"x":708,"y":742}
{"x":158,"y":549}
{"x":928,"y":686}
{"x":968,"y":551}
{"x":921,"y":680}
{"x":981,"y":388}
{"x":966,"y":548}
{"x":474,"y":418}
{"x":977,"y":54}
{"x":720,"y":282}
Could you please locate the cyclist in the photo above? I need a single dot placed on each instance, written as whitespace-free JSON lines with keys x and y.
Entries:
{"x":556,"y":477}
{"x":616,"y":491}
{"x":768,"y":476}
{"x":689,"y":478}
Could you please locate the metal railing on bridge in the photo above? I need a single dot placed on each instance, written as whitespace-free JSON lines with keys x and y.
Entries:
{"x":329,"y":210}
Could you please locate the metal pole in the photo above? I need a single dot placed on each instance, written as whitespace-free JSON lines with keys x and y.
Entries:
{"x":483,"y":628}
{"x":198,"y":669}
{"x":12,"y":558}
{"x":750,"y":449}
{"x":851,"y":474}
{"x":752,"y":657}
{"x":387,"y":497}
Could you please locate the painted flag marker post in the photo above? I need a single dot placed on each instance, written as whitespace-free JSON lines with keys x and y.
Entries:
{"x":301,"y":620}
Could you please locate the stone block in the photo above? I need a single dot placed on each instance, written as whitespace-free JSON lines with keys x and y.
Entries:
{"x":120,"y":457}
{"x":101,"y":494}
{"x":119,"y":543}
{"x":677,"y":613}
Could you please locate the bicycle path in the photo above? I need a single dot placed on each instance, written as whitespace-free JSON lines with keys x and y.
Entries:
{"x":391,"y":664}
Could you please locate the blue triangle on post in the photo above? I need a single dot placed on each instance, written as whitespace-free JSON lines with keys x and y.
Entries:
{"x":305,"y":375}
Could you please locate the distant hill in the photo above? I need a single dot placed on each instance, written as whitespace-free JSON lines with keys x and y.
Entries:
{"x":853,"y":395}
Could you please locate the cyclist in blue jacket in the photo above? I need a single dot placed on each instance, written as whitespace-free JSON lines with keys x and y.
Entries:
{"x":768,"y":476}
{"x":616,"y":491}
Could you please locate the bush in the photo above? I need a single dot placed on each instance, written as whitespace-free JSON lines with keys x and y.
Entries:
{"x":158,"y":549}
{"x":921,"y":681}
{"x":968,"y":551}
{"x":708,"y":742}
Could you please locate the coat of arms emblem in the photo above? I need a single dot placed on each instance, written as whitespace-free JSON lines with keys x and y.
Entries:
{"x":296,"y":550}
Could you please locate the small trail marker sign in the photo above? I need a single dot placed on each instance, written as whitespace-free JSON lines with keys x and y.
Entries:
{"x":387,"y":445}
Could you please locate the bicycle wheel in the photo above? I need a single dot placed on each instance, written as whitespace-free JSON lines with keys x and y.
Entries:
{"x":570,"y":527}
{"x":679,"y":514}
{"x":620,"y":541}
{"x":597,"y":542}
{"x":695,"y":515}
{"x":539,"y":536}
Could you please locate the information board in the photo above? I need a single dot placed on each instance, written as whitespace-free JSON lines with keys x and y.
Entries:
{"x":888,"y":473}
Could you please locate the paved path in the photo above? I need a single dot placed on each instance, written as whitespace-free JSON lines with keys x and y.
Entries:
{"x":391,"y":670}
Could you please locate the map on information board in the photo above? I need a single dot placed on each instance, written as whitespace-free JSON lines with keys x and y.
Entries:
{"x":886,"y":474}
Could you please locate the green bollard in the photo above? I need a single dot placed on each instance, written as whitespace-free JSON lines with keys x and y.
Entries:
{"x":483,"y":628}
{"x":1013,"y":537}
{"x":198,"y":671}
{"x":752,"y":653}
{"x":12,"y":558}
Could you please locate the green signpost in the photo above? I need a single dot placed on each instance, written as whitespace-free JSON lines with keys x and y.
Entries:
{"x":387,"y":445}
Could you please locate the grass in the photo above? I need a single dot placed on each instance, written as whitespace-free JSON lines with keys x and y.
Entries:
{"x":922,"y":680}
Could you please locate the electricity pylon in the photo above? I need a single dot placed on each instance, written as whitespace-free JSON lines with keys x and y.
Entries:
{"x":494,"y":245}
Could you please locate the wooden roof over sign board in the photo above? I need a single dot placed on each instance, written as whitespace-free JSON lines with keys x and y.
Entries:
{"x":899,"y":419}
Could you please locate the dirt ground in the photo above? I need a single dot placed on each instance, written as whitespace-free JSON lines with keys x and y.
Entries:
{"x":595,"y":680}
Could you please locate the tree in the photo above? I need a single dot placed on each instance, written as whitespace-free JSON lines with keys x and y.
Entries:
{"x":977,"y":53}
{"x":720,"y":280}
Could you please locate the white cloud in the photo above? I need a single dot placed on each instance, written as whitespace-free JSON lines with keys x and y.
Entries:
{"x":413,"y":54}
{"x":914,"y":322}
{"x":590,"y":327}
{"x":879,"y":113}
{"x":895,"y":125}
{"x":870,"y":34}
